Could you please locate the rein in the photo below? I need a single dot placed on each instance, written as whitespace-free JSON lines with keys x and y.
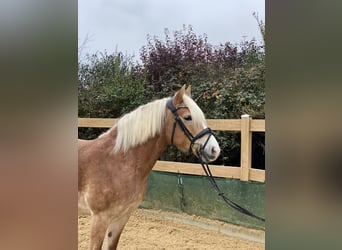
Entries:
{"x":199,"y":155}
{"x":228,"y":201}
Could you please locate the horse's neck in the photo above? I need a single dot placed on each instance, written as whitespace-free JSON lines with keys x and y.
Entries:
{"x":147,"y":154}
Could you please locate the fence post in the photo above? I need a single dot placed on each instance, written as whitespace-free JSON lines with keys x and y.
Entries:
{"x":246,"y":147}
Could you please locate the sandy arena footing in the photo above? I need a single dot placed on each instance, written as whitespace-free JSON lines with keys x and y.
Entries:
{"x":154,"y":229}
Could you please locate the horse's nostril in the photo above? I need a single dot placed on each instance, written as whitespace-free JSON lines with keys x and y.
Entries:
{"x":213,"y":150}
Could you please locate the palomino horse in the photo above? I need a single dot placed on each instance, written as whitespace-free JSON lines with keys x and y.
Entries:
{"x":113,"y":169}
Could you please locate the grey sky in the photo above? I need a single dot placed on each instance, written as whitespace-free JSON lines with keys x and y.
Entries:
{"x":125,"y":24}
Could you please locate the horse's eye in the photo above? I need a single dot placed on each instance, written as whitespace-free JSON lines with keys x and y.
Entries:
{"x":188,"y":118}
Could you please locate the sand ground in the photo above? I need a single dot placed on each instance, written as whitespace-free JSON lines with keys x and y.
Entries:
{"x":151,"y":229}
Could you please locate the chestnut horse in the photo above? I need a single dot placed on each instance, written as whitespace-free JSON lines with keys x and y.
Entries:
{"x":113,"y":169}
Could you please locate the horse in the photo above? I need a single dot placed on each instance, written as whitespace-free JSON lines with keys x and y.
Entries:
{"x":113,"y":169}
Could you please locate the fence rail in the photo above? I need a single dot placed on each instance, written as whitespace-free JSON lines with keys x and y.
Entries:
{"x":245,"y":172}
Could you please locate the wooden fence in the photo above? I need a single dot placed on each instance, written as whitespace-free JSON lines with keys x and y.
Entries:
{"x":245,"y":172}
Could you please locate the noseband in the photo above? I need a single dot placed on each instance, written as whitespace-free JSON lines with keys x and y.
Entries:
{"x":187,"y":133}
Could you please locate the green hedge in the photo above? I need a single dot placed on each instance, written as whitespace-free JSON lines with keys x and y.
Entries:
{"x":227,"y":80}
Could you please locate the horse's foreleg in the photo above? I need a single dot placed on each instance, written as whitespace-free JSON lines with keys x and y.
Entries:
{"x":99,"y":224}
{"x":114,"y":231}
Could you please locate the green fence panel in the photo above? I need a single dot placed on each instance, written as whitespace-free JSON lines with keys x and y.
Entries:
{"x":195,"y":196}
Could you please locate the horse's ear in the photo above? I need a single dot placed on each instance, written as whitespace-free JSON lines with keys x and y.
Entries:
{"x":178,"y":98}
{"x":188,"y":91}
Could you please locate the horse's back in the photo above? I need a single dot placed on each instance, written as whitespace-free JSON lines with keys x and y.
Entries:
{"x":92,"y":158}
{"x":84,"y":151}
{"x":86,"y":148}
{"x":84,"y":160}
{"x":82,"y":143}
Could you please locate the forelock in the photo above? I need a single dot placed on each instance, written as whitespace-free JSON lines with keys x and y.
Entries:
{"x":196,"y":113}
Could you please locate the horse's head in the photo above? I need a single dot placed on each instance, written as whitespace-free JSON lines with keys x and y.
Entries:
{"x":186,"y":127}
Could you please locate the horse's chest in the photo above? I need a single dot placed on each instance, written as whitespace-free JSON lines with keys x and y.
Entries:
{"x":119,"y":194}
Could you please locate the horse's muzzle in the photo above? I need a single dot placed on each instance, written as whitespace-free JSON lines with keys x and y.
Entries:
{"x":210,"y":152}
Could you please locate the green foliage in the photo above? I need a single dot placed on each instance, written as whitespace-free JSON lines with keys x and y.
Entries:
{"x":108,"y":86}
{"x":227,"y":81}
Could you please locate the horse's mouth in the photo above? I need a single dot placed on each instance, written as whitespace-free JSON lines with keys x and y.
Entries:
{"x":208,"y":158}
{"x":203,"y":155}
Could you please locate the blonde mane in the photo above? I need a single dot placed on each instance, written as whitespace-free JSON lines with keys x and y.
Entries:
{"x":147,"y":121}
{"x":141,"y":124}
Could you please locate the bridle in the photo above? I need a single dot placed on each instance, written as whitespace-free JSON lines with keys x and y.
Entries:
{"x":199,"y":154}
{"x":192,"y":139}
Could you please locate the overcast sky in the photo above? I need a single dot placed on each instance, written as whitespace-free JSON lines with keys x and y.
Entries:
{"x":125,"y":24}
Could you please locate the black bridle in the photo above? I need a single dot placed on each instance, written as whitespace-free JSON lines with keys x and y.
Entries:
{"x":199,"y":154}
{"x":192,"y":139}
